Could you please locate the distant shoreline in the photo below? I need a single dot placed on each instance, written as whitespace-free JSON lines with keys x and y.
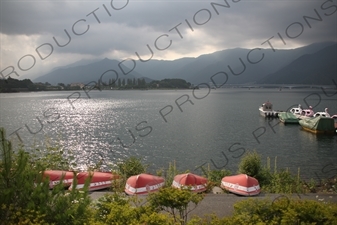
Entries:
{"x":332,"y":88}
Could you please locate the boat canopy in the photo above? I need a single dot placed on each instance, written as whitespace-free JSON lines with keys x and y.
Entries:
{"x":319,"y":123}
{"x":267,"y":106}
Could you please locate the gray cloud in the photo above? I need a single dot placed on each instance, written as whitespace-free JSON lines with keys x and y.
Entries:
{"x":120,"y":33}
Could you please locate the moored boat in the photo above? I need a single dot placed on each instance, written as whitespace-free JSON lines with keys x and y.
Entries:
{"x":288,"y":118}
{"x":192,"y":181}
{"x":301,"y":113}
{"x":241,"y":184}
{"x":143,"y":184}
{"x":323,"y":114}
{"x":58,"y":176}
{"x":266,"y":110}
{"x":335,"y":119}
{"x":319,"y":125}
{"x":98,"y":180}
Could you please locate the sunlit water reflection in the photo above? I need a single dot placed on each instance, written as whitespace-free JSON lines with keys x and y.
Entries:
{"x":215,"y":129}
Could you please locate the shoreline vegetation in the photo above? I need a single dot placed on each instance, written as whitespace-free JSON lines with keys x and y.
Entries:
{"x":11,"y":85}
{"x":26,"y":198}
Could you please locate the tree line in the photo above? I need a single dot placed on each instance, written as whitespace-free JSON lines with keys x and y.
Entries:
{"x":26,"y":85}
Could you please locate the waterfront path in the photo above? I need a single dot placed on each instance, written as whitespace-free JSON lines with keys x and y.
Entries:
{"x":223,"y":204}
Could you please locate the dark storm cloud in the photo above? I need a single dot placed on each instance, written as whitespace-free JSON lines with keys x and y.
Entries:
{"x":194,"y":27}
{"x":258,"y":21}
{"x":34,"y":17}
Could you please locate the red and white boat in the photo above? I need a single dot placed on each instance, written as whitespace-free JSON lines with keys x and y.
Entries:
{"x":143,"y":184}
{"x":195,"y":182}
{"x":241,"y":184}
{"x":56,"y":176}
{"x":98,"y":180}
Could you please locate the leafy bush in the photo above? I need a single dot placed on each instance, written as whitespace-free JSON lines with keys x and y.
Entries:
{"x":24,"y":193}
{"x":117,"y":209}
{"x":23,"y":216}
{"x":210,"y":220}
{"x":284,"y":211}
{"x":175,"y":202}
{"x":131,"y":166}
{"x":277,"y":182}
{"x":283,"y":182}
{"x":250,"y":164}
{"x":17,"y":187}
{"x":170,"y":173}
{"x":127,"y":168}
{"x":214,"y":177}
{"x":281,"y":211}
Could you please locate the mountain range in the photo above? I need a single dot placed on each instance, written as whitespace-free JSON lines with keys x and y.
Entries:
{"x":312,"y":64}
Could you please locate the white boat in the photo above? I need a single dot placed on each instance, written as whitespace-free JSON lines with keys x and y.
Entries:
{"x":266,"y":110}
{"x":301,"y":113}
{"x":323,"y":114}
{"x":296,"y":111}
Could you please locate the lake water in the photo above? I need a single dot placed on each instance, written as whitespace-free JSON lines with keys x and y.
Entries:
{"x":202,"y":127}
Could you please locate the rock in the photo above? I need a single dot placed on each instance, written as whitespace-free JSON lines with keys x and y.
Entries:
{"x":217,"y":190}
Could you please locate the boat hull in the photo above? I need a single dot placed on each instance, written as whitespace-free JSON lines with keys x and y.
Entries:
{"x":241,"y":184}
{"x":98,"y":180}
{"x":319,"y":125}
{"x":143,"y":184}
{"x":194,"y":182}
{"x":288,"y":118}
{"x":269,"y":114}
{"x":266,"y":110}
{"x":58,"y":176}
{"x":319,"y":131}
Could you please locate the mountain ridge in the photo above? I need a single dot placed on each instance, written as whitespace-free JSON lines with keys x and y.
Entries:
{"x":201,"y":69}
{"x":308,"y":67}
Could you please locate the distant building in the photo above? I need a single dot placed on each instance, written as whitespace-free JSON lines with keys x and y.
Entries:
{"x":52,"y":88}
{"x":77,"y":85}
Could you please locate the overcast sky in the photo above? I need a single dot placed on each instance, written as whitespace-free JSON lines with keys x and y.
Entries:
{"x":184,"y":28}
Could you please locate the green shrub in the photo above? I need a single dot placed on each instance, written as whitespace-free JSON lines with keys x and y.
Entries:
{"x":250,"y":164}
{"x":131,"y":166}
{"x":285,"y":211}
{"x":283,"y":182}
{"x":118,"y":209}
{"x":127,"y":168}
{"x":19,"y":194}
{"x":214,"y":177}
{"x":170,"y":173}
{"x":211,"y":220}
{"x":277,"y":182}
{"x":23,"y":216}
{"x":24,"y":193}
{"x":175,"y":202}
